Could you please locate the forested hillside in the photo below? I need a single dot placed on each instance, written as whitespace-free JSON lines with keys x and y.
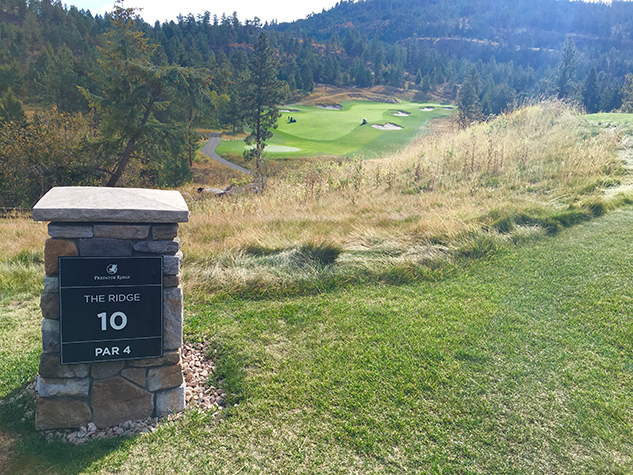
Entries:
{"x":46,"y":49}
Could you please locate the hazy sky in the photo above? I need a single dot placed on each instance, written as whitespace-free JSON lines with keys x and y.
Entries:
{"x":265,"y":10}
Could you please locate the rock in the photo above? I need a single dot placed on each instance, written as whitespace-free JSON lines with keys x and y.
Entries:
{"x":99,"y":247}
{"x":51,"y":284}
{"x":116,"y":400}
{"x":171,"y":281}
{"x":171,"y":264}
{"x":49,"y":303}
{"x":61,"y":413}
{"x":55,"y":248}
{"x":63,"y":387}
{"x":170,"y":401}
{"x":50,"y":367}
{"x":164,"y":377}
{"x":136,"y":375}
{"x":122,"y":231}
{"x":168,"y":358}
{"x":158,"y":247}
{"x":173,"y":308}
{"x":92,"y":428}
{"x":50,"y":336}
{"x":164,"y":231}
{"x":69,"y":231}
{"x":106,"y":369}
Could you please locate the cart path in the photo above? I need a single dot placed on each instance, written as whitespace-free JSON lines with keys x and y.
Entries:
{"x":209,"y":151}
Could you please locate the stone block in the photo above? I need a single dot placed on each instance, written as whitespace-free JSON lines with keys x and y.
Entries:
{"x":55,"y":248}
{"x":50,"y":336}
{"x":101,"y":247}
{"x":109,"y":204}
{"x":170,"y":401}
{"x":51,"y":284}
{"x":61,"y":413}
{"x":164,"y":377}
{"x":172,"y":311}
{"x":50,"y":367}
{"x":121,"y":231}
{"x":107,"y":369}
{"x":171,"y":264}
{"x":49,"y":303}
{"x":117,"y":400}
{"x":164,"y":231}
{"x":136,"y":375}
{"x":70,"y":231}
{"x":63,"y":387}
{"x":158,"y":247}
{"x":168,"y":358}
{"x":171,"y":280}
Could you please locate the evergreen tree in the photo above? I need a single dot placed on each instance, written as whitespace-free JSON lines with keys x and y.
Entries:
{"x":627,"y":95}
{"x":590,"y":92}
{"x":11,"y":110}
{"x":262,"y":95}
{"x":468,"y":103}
{"x":566,"y":69}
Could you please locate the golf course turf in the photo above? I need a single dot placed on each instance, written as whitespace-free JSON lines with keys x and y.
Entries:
{"x":319,"y":131}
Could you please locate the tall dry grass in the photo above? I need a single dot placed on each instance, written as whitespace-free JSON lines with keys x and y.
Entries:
{"x":448,"y":195}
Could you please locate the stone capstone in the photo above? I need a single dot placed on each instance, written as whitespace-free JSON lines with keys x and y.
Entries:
{"x":106,"y":369}
{"x":63,"y":387}
{"x":61,"y":413}
{"x":172,"y":312}
{"x":158,"y":247}
{"x":102,"y":204}
{"x":168,"y":358}
{"x":50,"y":336}
{"x":50,"y":367}
{"x":55,"y":248}
{"x":164,"y":231}
{"x":102,"y":247}
{"x":70,"y":231}
{"x":164,"y":377}
{"x":171,"y":264}
{"x":49,"y":303}
{"x":136,"y":375}
{"x":170,"y":401}
{"x":121,"y":231}
{"x":117,"y":400}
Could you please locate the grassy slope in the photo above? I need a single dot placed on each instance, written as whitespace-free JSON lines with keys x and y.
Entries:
{"x":520,"y":364}
{"x":327,"y":132}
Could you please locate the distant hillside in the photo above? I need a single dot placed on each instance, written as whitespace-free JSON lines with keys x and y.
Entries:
{"x":524,"y":31}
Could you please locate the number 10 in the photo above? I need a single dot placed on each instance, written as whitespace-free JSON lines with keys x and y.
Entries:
{"x":104,"y":323}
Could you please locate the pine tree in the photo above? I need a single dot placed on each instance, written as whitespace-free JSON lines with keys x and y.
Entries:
{"x":468,"y":103}
{"x":590,"y":92}
{"x":11,"y":109}
{"x":262,"y":95}
{"x":627,"y":95}
{"x":567,"y":69}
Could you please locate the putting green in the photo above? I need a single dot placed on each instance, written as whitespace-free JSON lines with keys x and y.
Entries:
{"x":320,"y":131}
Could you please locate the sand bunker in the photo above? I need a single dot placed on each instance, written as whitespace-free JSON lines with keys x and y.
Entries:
{"x":401,"y":114}
{"x":331,"y":107}
{"x":427,"y":109}
{"x":447,"y":108}
{"x":288,"y":110}
{"x":387,"y":126}
{"x":276,"y":148}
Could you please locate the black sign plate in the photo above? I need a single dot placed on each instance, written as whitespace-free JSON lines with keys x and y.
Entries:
{"x":111,"y":308}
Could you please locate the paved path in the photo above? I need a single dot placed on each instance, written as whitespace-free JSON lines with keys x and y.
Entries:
{"x":209,"y":151}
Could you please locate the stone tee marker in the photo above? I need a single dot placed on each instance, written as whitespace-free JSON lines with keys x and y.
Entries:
{"x":112,"y":306}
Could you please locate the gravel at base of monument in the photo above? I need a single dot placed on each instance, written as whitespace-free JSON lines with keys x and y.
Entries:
{"x":199,"y":395}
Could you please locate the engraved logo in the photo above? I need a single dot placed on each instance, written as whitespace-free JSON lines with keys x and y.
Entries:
{"x":112,"y":269}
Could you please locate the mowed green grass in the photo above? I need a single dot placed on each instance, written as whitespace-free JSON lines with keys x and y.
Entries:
{"x":520,"y":363}
{"x":614,"y":118}
{"x":319,"y":132}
